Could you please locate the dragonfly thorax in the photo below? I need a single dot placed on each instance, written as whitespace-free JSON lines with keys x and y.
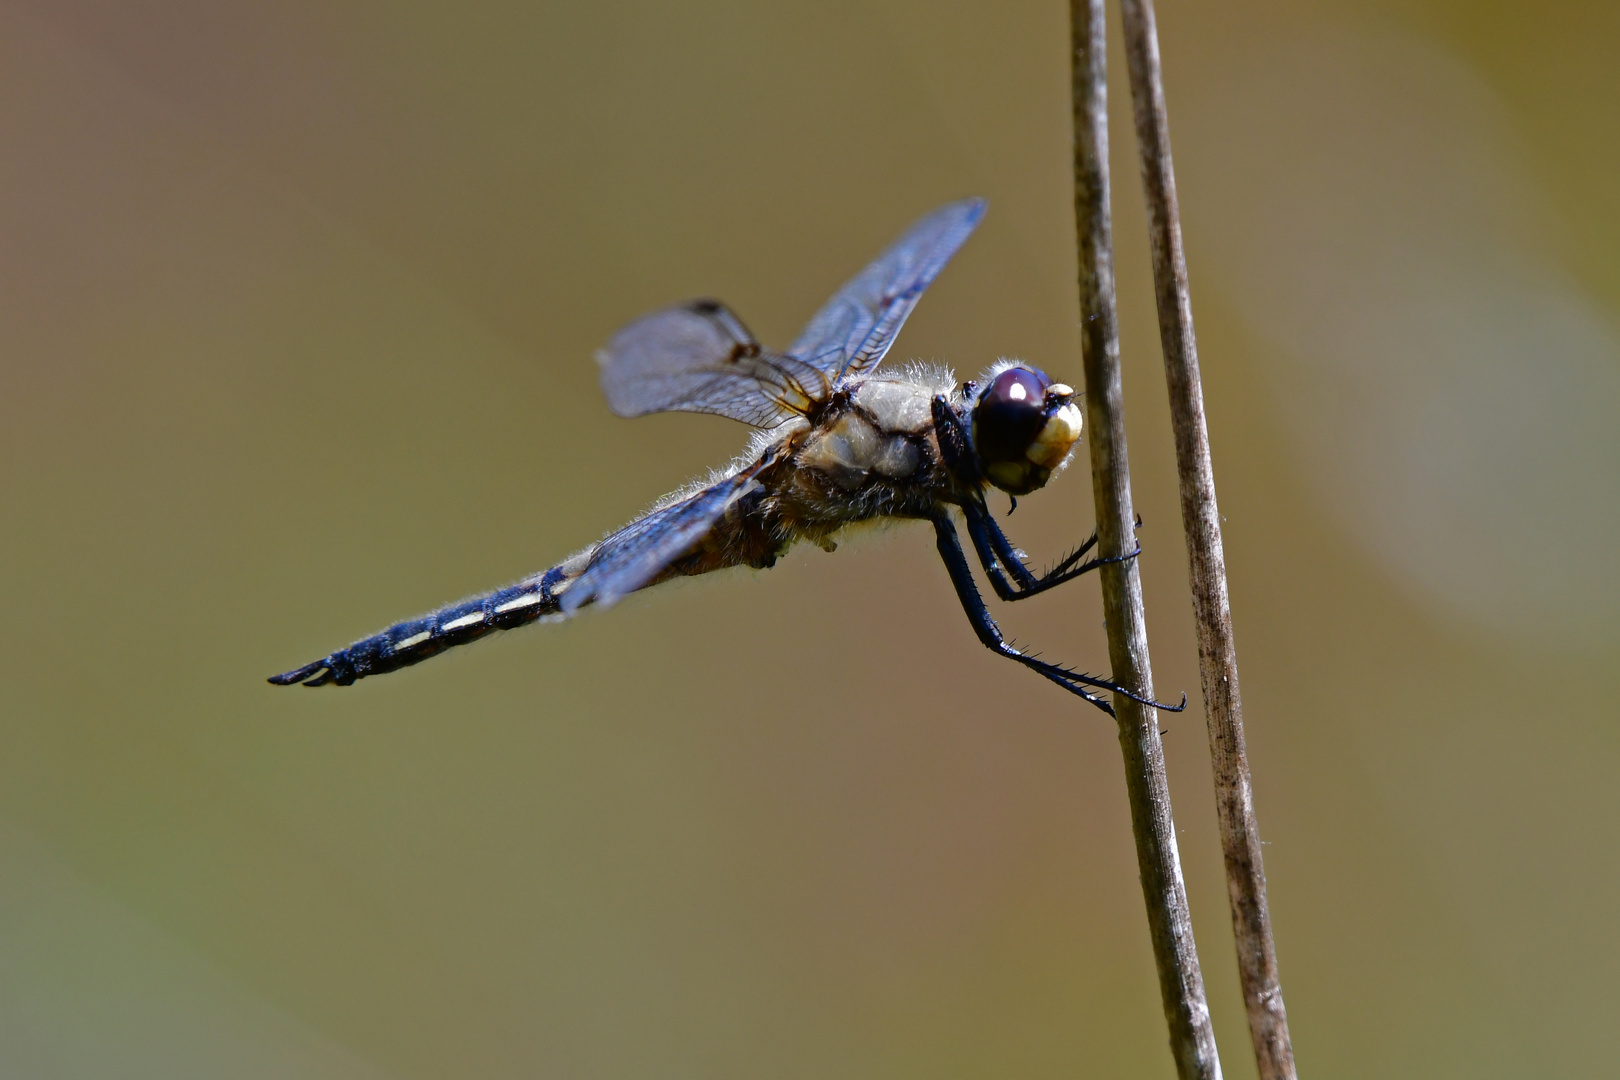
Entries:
{"x":876,"y":434}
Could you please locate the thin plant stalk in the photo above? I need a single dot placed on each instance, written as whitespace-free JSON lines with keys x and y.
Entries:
{"x":1217,"y":652}
{"x":1181,"y":984}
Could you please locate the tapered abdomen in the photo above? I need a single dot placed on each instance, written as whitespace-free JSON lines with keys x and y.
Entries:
{"x":414,"y":640}
{"x":730,"y":542}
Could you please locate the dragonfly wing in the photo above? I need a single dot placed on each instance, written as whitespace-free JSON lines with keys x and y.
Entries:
{"x":854,"y":329}
{"x":699,"y":357}
{"x":632,"y":557}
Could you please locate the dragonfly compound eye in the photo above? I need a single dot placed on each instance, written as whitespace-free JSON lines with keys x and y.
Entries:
{"x":1023,"y":427}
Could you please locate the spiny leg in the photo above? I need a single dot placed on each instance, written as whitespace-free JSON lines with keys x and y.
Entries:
{"x":1001,"y":560}
{"x":995,"y":552}
{"x":956,"y":564}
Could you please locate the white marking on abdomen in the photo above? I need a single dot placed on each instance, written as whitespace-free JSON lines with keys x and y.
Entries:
{"x":522,"y":601}
{"x":414,"y":639}
{"x":466,"y":620}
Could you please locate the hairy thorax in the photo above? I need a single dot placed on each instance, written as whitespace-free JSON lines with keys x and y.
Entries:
{"x":871,"y":453}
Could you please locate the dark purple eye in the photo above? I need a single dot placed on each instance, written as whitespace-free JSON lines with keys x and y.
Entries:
{"x":1009,"y":415}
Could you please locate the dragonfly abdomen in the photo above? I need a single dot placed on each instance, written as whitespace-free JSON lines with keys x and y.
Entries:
{"x":414,"y":640}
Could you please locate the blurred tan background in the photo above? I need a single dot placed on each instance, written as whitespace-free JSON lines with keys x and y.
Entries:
{"x":297,"y":309}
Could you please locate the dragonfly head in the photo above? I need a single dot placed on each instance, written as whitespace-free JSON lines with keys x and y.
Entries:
{"x":1024,"y":426}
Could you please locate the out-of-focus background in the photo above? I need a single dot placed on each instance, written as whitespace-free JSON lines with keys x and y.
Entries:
{"x":297,"y":310}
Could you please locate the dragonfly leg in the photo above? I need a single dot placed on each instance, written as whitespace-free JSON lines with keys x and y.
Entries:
{"x":1077,"y":683}
{"x":1002,"y":561}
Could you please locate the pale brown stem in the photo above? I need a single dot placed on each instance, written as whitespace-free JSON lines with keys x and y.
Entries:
{"x":1217,"y":653}
{"x":1192,"y":1039}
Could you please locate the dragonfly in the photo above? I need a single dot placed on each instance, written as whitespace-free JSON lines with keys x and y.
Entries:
{"x":837,"y":442}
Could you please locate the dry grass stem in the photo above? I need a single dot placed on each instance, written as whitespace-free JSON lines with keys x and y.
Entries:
{"x":1217,"y":653}
{"x":1192,"y":1039}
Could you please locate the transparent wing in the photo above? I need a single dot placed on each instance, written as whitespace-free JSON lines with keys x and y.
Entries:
{"x":856,"y":327}
{"x":699,"y":357}
{"x":632,"y":557}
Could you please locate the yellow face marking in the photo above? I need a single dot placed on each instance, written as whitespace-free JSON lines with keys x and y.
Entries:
{"x":466,"y":620}
{"x":1008,"y":475}
{"x":1058,"y":389}
{"x":414,"y":639}
{"x":1060,"y":433}
{"x":522,"y":601}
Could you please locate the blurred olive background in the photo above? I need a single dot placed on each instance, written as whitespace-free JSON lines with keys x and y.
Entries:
{"x":297,"y":309}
